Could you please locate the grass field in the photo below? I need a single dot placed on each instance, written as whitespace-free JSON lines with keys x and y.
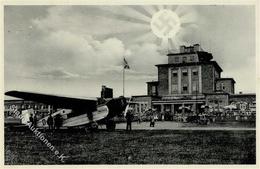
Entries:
{"x":135,"y":147}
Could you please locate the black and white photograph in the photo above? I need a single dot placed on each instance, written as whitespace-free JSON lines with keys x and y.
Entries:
{"x":129,"y":84}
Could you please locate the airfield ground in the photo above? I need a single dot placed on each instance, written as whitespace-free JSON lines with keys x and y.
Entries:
{"x":142,"y":146}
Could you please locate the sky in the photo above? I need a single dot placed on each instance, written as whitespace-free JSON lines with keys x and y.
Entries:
{"x":73,"y":50}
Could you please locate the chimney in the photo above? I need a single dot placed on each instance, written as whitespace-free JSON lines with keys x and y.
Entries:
{"x":196,"y":47}
{"x":182,"y":49}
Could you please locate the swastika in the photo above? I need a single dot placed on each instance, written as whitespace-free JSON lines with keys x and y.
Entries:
{"x":165,"y":24}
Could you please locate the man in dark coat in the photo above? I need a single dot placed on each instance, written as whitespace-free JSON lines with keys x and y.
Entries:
{"x":129,"y":118}
{"x":50,"y":122}
{"x":35,"y":120}
{"x":31,"y":118}
{"x":58,"y":121}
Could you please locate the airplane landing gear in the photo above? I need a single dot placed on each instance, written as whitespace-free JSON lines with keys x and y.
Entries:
{"x":110,"y":125}
{"x":93,"y":126}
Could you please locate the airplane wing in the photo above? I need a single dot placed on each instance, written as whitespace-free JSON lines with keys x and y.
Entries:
{"x":55,"y":100}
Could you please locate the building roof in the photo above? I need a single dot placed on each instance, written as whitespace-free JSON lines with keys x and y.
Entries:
{"x":217,"y":93}
{"x":173,"y":54}
{"x":153,"y":82}
{"x":243,"y":95}
{"x":214,"y":63}
{"x":136,"y":96}
{"x":220,"y":79}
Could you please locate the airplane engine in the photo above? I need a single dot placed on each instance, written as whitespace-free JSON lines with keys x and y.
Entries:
{"x":116,"y":106}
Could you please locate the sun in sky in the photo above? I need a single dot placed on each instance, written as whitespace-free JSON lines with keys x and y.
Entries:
{"x":163,"y":24}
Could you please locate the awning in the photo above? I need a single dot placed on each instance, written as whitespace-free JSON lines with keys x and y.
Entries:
{"x":230,"y":107}
{"x":184,"y":107}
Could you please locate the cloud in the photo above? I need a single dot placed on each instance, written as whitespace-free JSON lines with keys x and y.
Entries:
{"x":94,"y":20}
{"x":144,"y":56}
{"x":57,"y":73}
{"x":64,"y":54}
{"x":66,"y":47}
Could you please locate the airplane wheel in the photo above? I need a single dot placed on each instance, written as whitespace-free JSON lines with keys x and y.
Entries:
{"x":93,"y":126}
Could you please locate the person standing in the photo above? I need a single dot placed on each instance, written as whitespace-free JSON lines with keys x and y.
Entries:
{"x":31,"y":118}
{"x":152,"y":121}
{"x":35,"y":120}
{"x":139,"y":118}
{"x":58,"y":121}
{"x":129,"y":118}
{"x":50,"y":122}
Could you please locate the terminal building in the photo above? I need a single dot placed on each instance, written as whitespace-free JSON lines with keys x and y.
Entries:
{"x":191,"y":80}
{"x":39,"y":109}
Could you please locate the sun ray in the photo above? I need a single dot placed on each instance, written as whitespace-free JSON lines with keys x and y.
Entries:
{"x":124,"y":14}
{"x":164,"y":43}
{"x":146,"y":37}
{"x":141,"y":10}
{"x":150,"y":9}
{"x":136,"y":14}
{"x":173,"y":45}
{"x":189,"y":18}
{"x":125,"y":33}
{"x":186,"y":31}
{"x":181,"y":10}
{"x":134,"y":26}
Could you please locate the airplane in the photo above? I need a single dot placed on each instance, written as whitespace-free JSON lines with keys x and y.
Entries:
{"x":78,"y":112}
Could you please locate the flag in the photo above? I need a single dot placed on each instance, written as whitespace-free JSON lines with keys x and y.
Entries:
{"x":126,"y":66}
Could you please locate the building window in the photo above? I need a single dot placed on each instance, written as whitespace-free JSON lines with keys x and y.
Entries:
{"x":185,"y":87}
{"x":184,"y":59}
{"x":222,"y":86}
{"x":141,"y":107}
{"x":195,"y":72}
{"x":174,"y":74}
{"x":185,"y":73}
{"x":176,"y":59}
{"x":174,"y":87}
{"x":216,"y":74}
{"x":137,"y":108}
{"x":153,"y":89}
{"x":191,"y":58}
{"x":194,"y":87}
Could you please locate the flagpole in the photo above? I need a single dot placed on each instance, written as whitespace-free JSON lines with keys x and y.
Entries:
{"x":125,"y":66}
{"x":123,"y":81}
